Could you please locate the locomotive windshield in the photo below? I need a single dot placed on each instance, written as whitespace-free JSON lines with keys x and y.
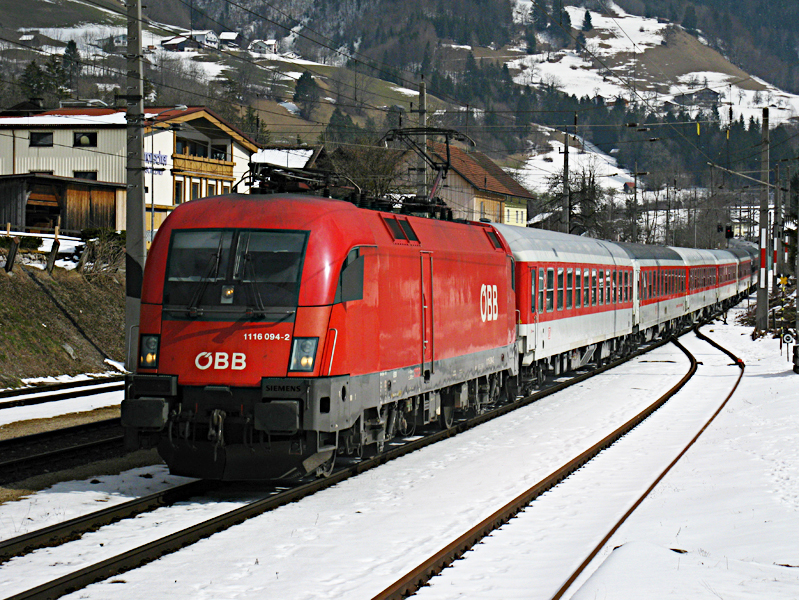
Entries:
{"x":233,"y":270}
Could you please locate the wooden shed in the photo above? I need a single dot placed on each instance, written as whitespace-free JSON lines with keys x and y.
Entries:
{"x":37,"y":202}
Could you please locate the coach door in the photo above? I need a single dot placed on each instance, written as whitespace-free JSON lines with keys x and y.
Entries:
{"x":535,"y":293}
{"x":428,"y":346}
{"x":636,"y":274}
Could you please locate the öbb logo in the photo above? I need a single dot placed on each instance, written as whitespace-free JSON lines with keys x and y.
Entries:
{"x":488,"y":303}
{"x":220,"y":360}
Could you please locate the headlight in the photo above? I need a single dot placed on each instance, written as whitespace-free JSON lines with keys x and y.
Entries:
{"x":303,"y":354}
{"x":148,"y":351}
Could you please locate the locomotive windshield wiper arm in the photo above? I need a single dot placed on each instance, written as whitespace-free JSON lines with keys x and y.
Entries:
{"x":213,"y":268}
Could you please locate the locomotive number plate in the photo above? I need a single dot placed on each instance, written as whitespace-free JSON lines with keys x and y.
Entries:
{"x":268,"y":337}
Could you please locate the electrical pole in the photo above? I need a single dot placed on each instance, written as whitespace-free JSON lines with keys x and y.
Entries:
{"x":564,"y":218}
{"x":761,"y":316}
{"x":421,"y":170}
{"x":134,"y":247}
{"x":777,"y":231}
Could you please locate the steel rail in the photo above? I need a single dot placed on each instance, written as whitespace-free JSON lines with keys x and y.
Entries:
{"x":33,"y":397}
{"x":409,"y":583}
{"x":67,"y":450}
{"x":171,"y":543}
{"x":72,"y":529}
{"x":54,"y":387}
{"x":737,"y":362}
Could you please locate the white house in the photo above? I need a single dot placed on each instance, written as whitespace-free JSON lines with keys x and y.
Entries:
{"x":264,"y":46}
{"x":189,"y":154}
{"x":231,"y":39}
{"x":206,"y":38}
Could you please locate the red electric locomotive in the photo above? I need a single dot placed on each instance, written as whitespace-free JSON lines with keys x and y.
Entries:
{"x":278,"y":331}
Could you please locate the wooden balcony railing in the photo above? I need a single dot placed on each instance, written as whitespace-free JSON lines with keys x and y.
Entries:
{"x":202,"y":166}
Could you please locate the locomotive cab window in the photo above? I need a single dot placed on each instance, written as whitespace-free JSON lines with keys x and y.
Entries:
{"x":226,"y":270}
{"x":350,"y":281}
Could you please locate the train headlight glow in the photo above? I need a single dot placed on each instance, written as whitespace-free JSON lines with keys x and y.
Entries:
{"x":227,"y":294}
{"x":303,"y":354}
{"x":148,"y":351}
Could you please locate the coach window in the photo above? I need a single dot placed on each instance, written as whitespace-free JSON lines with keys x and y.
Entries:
{"x":532,"y":290}
{"x":601,"y":287}
{"x":586,"y":288}
{"x":578,"y":288}
{"x":626,"y":284}
{"x":560,"y":288}
{"x":593,"y":287}
{"x":569,"y":287}
{"x":540,"y":290}
{"x":550,"y":289}
{"x":614,"y":281}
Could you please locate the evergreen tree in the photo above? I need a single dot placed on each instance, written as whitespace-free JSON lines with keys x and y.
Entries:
{"x":72,"y":64}
{"x":33,"y":81}
{"x":580,"y":42}
{"x":529,"y":38}
{"x":587,"y":24}
{"x":689,"y":18}
{"x":306,"y":94}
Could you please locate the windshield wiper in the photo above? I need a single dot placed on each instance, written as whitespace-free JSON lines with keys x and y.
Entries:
{"x":213,"y":269}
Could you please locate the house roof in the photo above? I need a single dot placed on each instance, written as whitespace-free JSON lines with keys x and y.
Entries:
{"x":482,"y":172}
{"x":114,"y":117}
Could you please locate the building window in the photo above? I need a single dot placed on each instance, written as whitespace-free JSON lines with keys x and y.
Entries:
{"x":84,"y":139}
{"x":92,"y":175}
{"x":195,"y":190}
{"x":178,"y":192}
{"x":219,"y":152}
{"x":41,"y":139}
{"x":212,"y":189}
{"x":225,"y":189}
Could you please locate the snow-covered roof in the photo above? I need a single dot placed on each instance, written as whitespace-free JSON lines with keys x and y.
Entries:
{"x":293,"y":158}
{"x":228,"y":35}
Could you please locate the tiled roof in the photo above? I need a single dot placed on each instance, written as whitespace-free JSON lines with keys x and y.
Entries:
{"x":482,"y":172}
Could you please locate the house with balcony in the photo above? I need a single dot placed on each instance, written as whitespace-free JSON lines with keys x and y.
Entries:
{"x":188,"y":154}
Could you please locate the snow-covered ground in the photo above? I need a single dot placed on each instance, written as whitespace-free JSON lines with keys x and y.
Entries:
{"x":730,"y":503}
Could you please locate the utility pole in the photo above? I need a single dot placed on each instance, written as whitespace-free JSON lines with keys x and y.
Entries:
{"x":421,"y":170}
{"x":134,"y":247}
{"x":635,"y":204}
{"x":776,"y":236}
{"x":761,"y":316}
{"x":564,"y":217}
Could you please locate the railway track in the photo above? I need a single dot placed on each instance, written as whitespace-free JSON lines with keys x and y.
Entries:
{"x":413,"y":580}
{"x":59,"y":449}
{"x":148,"y":552}
{"x":31,"y":396}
